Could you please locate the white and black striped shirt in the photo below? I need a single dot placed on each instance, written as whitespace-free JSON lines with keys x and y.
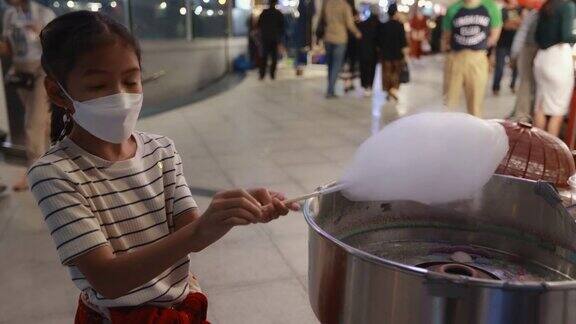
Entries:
{"x":88,"y":202}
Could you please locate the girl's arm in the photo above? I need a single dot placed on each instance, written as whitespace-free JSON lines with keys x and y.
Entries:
{"x":114,"y":276}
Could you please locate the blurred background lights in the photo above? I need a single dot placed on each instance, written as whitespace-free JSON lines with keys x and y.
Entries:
{"x":198,"y":10}
{"x":113,"y":4}
{"x":183,"y":11}
{"x":163,"y":5}
{"x":70,"y":4}
{"x":403,"y":8}
{"x":94,"y":6}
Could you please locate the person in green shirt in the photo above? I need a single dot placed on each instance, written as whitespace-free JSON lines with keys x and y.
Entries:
{"x":554,"y":65}
{"x":470,"y":27}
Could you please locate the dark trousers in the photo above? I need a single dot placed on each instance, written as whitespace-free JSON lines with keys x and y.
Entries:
{"x":269,"y":50}
{"x":501,"y":54}
{"x":367,"y":72}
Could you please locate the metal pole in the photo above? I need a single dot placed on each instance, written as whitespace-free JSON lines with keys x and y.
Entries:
{"x":228,"y":35}
{"x":189,"y":33}
{"x":129,"y":16}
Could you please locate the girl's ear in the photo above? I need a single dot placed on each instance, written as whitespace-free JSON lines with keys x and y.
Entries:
{"x":57,"y":96}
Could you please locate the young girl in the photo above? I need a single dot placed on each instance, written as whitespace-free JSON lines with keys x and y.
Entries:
{"x":115,"y":200}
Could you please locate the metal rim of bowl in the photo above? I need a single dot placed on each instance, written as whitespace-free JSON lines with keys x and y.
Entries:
{"x":430,"y":275}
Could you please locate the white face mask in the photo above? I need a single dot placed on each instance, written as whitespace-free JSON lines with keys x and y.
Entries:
{"x":111,"y":118}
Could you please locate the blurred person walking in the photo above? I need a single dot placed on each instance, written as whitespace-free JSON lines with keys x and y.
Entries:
{"x":524,"y":49}
{"x":352,"y":58}
{"x":393,"y":46}
{"x":554,"y":65}
{"x":368,"y":49}
{"x":22,"y":23}
{"x":470,"y":27}
{"x":272,"y":29}
{"x":511,"y":18}
{"x":335,"y":21}
{"x":303,"y":34}
{"x":418,"y":32}
{"x":436,"y":37}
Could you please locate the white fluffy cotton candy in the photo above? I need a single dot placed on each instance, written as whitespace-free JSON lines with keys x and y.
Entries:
{"x":428,"y":157}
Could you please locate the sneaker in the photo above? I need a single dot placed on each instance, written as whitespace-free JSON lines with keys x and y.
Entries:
{"x":331,"y":96}
{"x":496,"y":92}
{"x":367,"y":93}
{"x":4,"y":190}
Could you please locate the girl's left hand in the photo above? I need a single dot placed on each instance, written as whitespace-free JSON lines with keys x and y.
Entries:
{"x":272,"y":202}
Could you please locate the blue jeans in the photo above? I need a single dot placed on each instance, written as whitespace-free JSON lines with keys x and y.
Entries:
{"x":334,"y":58}
{"x":501,"y":54}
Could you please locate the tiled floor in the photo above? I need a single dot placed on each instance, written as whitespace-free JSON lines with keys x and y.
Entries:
{"x":283,"y":135}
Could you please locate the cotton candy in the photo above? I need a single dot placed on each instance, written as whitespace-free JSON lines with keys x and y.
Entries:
{"x":429,"y":158}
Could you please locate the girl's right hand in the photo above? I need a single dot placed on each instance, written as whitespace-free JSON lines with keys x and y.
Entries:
{"x":233,"y":208}
{"x":227,"y":209}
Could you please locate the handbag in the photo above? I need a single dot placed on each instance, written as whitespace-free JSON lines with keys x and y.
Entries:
{"x":405,"y":73}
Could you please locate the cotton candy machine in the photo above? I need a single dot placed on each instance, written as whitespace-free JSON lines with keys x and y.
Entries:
{"x":506,"y":257}
{"x":536,"y":155}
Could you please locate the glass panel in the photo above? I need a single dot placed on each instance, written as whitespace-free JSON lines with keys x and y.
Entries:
{"x":240,"y":21}
{"x":210,"y":18}
{"x":159,"y":19}
{"x":117,"y":9}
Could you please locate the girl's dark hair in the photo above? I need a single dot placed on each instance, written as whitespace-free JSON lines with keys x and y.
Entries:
{"x":67,"y":38}
{"x":70,"y":36}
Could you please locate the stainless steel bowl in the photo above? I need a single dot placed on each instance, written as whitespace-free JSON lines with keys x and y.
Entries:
{"x":392,"y":262}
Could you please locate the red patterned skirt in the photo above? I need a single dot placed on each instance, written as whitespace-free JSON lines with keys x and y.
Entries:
{"x":192,"y":310}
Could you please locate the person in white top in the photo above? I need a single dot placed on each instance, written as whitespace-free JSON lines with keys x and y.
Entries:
{"x":22,"y":23}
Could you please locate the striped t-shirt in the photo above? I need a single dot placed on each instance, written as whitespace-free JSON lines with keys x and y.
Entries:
{"x":88,"y":202}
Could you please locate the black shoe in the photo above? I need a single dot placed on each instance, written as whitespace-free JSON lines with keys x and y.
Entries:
{"x":4,"y":190}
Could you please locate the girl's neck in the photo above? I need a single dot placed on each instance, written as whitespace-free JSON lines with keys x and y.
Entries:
{"x":108,"y":151}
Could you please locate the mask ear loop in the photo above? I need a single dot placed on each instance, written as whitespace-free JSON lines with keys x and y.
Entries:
{"x":65,"y":92}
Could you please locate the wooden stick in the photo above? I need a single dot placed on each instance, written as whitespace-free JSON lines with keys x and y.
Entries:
{"x":324,"y":191}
